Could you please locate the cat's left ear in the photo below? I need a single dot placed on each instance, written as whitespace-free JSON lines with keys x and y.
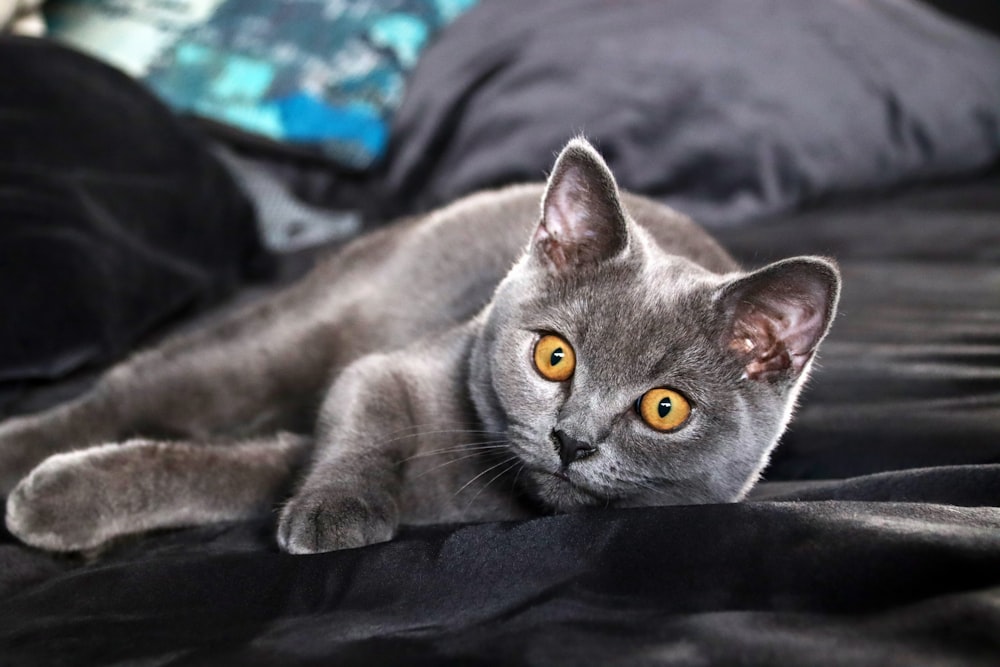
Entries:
{"x":583,"y":221}
{"x":776,"y":317}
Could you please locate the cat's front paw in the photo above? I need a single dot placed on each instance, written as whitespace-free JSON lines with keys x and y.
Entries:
{"x":317,"y":521}
{"x":57,"y":507}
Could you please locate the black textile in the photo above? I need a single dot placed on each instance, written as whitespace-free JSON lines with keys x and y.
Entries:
{"x":771,"y":583}
{"x":874,"y":541}
{"x":113,"y":215}
{"x":725,"y":109}
{"x":973,"y":12}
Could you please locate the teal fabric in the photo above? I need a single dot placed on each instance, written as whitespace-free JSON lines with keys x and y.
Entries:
{"x":321,"y":73}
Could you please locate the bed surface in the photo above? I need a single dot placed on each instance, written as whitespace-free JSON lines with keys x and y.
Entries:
{"x":875,"y":538}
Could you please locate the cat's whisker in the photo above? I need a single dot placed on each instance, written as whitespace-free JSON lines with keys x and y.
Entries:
{"x":448,"y":463}
{"x":439,"y":432}
{"x":478,"y":446}
{"x":519,"y":471}
{"x":446,"y":425}
{"x":645,"y":486}
{"x":492,"y":467}
{"x":464,"y":445}
{"x":493,"y":479}
{"x":436,"y":422}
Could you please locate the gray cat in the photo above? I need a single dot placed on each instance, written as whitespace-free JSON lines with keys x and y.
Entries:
{"x":478,"y":363}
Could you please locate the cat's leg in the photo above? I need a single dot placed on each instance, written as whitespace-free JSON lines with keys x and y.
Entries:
{"x":79,"y":500}
{"x":261,"y":369}
{"x":350,"y":496}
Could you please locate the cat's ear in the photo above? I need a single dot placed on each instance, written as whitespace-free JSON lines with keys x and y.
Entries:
{"x":583,"y":221}
{"x":776,"y":317}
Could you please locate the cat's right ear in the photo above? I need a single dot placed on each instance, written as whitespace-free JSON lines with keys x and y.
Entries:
{"x":583,"y":221}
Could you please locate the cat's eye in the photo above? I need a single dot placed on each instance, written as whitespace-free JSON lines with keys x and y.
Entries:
{"x":554,"y":358}
{"x":663,"y":409}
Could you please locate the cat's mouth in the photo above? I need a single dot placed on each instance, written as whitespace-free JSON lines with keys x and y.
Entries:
{"x":561,"y":490}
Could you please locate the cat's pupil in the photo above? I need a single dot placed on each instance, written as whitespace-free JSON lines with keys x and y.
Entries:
{"x":664,"y":408}
{"x":557,"y":356}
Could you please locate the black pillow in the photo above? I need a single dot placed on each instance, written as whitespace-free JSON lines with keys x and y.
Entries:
{"x":113,"y":216}
{"x":726,"y":109}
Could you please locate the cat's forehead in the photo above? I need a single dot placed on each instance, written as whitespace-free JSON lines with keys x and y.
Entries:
{"x":636,"y":308}
{"x":640,"y":330}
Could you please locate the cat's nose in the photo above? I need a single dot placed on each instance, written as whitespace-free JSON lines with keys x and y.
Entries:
{"x":571,"y":449}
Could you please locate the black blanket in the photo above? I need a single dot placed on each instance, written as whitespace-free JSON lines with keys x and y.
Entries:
{"x":875,"y":538}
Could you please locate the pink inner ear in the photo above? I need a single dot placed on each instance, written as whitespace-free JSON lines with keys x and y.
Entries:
{"x":777,"y":331}
{"x":548,"y":244}
{"x":777,"y":336}
{"x":566,"y":207}
{"x":582,"y":217}
{"x":778,"y":315}
{"x":563,"y":227}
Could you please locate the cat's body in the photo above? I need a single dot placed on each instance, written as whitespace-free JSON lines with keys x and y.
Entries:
{"x":434,"y":401}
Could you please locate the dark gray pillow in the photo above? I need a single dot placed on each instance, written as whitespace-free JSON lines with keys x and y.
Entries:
{"x":726,"y":109}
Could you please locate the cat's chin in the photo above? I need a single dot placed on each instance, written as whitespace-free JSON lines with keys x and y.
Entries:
{"x":560,"y":493}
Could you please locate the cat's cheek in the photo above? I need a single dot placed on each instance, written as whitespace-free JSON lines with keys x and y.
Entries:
{"x":531,"y":402}
{"x":531,"y":455}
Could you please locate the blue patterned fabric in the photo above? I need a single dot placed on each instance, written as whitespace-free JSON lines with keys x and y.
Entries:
{"x":324,"y":73}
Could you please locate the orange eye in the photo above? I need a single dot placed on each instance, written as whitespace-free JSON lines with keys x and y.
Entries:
{"x":554,"y":358}
{"x":663,"y":409}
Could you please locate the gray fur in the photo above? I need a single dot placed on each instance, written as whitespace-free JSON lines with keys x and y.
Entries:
{"x":411,"y":353}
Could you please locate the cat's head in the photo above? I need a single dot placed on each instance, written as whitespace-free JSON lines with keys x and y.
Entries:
{"x":628,"y":376}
